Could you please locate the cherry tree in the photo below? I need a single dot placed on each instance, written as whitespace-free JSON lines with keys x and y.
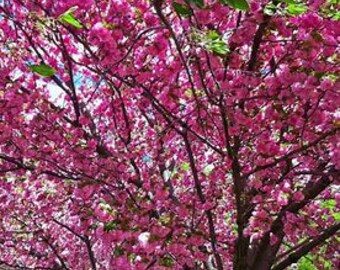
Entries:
{"x":186,"y":134}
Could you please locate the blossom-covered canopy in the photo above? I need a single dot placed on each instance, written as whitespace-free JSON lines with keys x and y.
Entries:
{"x":186,"y":134}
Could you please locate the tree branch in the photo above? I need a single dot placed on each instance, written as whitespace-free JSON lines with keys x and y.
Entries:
{"x":202,"y":198}
{"x":294,"y":257}
{"x":257,"y":42}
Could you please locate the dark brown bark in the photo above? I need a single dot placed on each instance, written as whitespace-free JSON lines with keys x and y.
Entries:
{"x":302,"y":251}
{"x":266,"y":253}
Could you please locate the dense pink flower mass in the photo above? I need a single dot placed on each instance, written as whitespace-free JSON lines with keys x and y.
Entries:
{"x":187,"y":134}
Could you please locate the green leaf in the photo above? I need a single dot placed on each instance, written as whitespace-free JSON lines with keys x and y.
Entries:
{"x":167,"y":262}
{"x":332,"y":14}
{"x":306,"y":264}
{"x":198,"y":3}
{"x":219,"y":47}
{"x":43,"y":70}
{"x":319,"y":75}
{"x":270,"y":9}
{"x":335,"y":16}
{"x":181,"y":9}
{"x":327,"y":265}
{"x":331,"y":9}
{"x":68,"y":17}
{"x":119,"y":251}
{"x":213,"y":35}
{"x":215,"y":43}
{"x":109,"y":226}
{"x":165,"y":219}
{"x":185,"y":166}
{"x":336,"y":216}
{"x":237,"y":4}
{"x":296,"y":9}
{"x":333,"y":2}
{"x":188,"y":93}
{"x":329,"y":204}
{"x":288,"y":1}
